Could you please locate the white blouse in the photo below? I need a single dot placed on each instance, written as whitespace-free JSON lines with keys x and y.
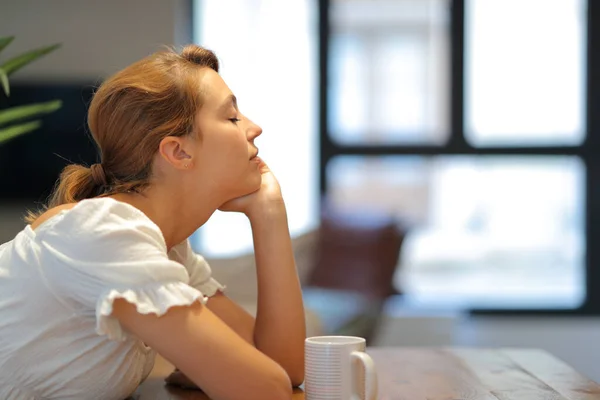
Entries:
{"x":57,"y":287}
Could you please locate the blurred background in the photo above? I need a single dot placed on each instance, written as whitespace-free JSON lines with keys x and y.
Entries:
{"x":439,"y":158}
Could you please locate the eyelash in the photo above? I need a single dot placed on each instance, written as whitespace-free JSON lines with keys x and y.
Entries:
{"x":235,"y":120}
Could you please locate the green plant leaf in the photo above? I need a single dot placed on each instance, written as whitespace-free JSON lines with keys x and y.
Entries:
{"x":4,"y":82}
{"x":5,"y":41}
{"x":22,"y":60}
{"x":14,"y":114}
{"x":13,"y":131}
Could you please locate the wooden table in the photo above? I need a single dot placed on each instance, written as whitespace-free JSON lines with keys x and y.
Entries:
{"x":443,"y":374}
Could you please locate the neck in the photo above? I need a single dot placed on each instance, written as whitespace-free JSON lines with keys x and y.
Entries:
{"x":178,"y":215}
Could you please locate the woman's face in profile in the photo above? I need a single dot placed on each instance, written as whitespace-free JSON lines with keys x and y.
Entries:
{"x":226,"y":147}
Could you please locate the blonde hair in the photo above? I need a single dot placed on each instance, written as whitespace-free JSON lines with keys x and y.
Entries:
{"x":130,"y":113}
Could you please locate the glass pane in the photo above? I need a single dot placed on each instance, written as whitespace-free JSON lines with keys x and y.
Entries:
{"x":282,"y":36}
{"x":498,"y":231}
{"x":388,"y":78}
{"x":525,"y":72}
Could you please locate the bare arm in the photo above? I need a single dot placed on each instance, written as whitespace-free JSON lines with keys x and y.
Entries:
{"x":280,"y":319}
{"x":233,"y":315}
{"x":208,"y":352}
{"x":280,"y":322}
{"x":279,"y":329}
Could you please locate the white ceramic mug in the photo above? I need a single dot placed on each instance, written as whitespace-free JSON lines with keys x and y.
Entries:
{"x":337,"y":368}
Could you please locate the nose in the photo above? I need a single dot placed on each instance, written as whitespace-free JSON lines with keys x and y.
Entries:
{"x":254,"y":131}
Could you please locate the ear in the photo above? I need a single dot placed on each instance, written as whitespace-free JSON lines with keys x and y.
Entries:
{"x":176,"y":151}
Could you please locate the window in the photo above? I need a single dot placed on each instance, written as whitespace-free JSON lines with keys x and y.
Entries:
{"x":525,"y":85}
{"x":466,"y":120}
{"x":268,"y":54}
{"x":478,"y":222}
{"x":387,"y":80}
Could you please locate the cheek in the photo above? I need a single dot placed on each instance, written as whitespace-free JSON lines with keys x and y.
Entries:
{"x":225,"y":142}
{"x":236,"y":151}
{"x":229,"y":155}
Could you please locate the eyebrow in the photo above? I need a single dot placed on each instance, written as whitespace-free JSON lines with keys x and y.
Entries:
{"x":231,"y":99}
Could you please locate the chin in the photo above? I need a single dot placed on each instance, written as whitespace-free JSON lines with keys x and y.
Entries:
{"x":248,"y":187}
{"x":252,"y":188}
{"x":249,"y":183}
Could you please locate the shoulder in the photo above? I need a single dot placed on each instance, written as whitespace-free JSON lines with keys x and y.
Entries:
{"x":109,"y":241}
{"x":47,"y":215}
{"x":101,"y":224}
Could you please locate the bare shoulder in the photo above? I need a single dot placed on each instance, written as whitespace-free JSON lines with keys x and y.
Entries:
{"x":51,"y":213}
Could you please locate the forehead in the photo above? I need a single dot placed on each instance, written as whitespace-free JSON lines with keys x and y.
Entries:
{"x":214,"y":89}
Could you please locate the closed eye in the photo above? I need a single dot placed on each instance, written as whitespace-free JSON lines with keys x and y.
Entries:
{"x":235,"y":120}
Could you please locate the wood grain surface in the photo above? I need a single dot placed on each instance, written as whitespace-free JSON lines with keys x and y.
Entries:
{"x":441,"y":374}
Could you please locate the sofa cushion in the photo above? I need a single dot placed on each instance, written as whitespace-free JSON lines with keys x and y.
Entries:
{"x":239,"y":273}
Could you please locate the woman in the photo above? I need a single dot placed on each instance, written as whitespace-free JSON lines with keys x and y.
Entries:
{"x":105,"y":277}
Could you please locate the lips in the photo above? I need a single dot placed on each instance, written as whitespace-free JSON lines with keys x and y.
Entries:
{"x":255,"y":154}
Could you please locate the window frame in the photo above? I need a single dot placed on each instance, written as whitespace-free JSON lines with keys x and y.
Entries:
{"x":588,"y":151}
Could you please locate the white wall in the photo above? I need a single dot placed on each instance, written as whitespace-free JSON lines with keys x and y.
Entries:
{"x":98,"y":37}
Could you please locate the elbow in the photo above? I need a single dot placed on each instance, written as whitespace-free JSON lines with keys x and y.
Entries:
{"x":297,"y":377}
{"x":284,"y":393}
{"x":295,"y":371}
{"x":281,"y":388}
{"x":297,"y":383}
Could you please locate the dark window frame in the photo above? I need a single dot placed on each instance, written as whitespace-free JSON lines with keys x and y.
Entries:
{"x":588,"y":151}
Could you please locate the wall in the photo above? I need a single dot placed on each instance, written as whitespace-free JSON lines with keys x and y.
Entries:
{"x":98,"y":37}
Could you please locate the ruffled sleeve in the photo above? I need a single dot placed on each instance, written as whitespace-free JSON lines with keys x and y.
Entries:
{"x":155,"y":299}
{"x":103,"y":250}
{"x":197,"y":267}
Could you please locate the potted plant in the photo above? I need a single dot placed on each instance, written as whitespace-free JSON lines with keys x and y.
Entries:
{"x":18,"y":120}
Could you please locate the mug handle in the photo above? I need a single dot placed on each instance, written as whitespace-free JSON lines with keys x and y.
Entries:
{"x":370,"y":375}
